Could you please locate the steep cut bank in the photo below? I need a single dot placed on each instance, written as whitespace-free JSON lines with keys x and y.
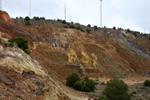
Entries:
{"x":56,"y":52}
{"x":103,"y":53}
{"x":22,"y":77}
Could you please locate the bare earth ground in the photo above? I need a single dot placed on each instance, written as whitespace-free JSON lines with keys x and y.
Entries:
{"x":70,"y":92}
{"x":135,"y":84}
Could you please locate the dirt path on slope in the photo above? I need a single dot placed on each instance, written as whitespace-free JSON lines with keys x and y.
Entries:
{"x":71,"y":93}
{"x":77,"y":95}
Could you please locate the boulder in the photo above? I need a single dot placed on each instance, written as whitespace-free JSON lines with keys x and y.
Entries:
{"x":6,"y":80}
{"x":27,"y":73}
{"x":39,"y":91}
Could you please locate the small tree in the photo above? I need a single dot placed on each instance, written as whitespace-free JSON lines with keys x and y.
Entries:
{"x":101,"y":97}
{"x":128,"y":30}
{"x":95,"y":27}
{"x":85,"y":84}
{"x":77,"y":85}
{"x":42,"y":18}
{"x":27,"y":23}
{"x":27,"y":18}
{"x":72,"y":26}
{"x":88,"y":31}
{"x":89,"y":25}
{"x":20,"y":18}
{"x":79,"y":28}
{"x":23,"y":44}
{"x":36,"y":18}
{"x":72,"y":79}
{"x":147,"y":83}
{"x":64,"y":22}
{"x":90,"y":84}
{"x":114,"y":28}
{"x":116,"y":90}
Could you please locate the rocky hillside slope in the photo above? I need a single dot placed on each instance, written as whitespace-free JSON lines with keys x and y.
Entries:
{"x":56,"y":52}
{"x":102,"y":53}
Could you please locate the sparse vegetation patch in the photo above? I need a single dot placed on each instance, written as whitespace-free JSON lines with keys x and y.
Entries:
{"x":23,"y":44}
{"x":27,"y":18}
{"x":147,"y":83}
{"x":86,"y":84}
{"x":27,"y":23}
{"x":115,"y":90}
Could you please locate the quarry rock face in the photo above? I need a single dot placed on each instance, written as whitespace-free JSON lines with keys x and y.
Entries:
{"x":96,"y":54}
{"x":4,"y":16}
{"x":57,"y":52}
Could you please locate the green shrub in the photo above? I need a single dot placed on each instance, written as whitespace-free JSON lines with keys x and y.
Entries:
{"x":95,"y":27}
{"x":77,"y":85}
{"x":72,"y":26}
{"x":27,"y":51}
{"x":0,"y":40}
{"x":71,"y":79}
{"x":64,"y":22}
{"x":27,"y":23}
{"x":101,"y":97}
{"x":79,"y":28}
{"x":66,"y":27}
{"x":85,"y":85}
{"x":89,"y":25}
{"x":11,"y":45}
{"x":20,"y":18}
{"x":84,"y":88}
{"x":143,"y":87}
{"x":27,"y":18}
{"x":88,"y":31}
{"x":116,"y":90}
{"x":134,"y":92}
{"x":82,"y":30}
{"x":103,"y":83}
{"x":59,"y":20}
{"x":147,"y":83}
{"x":23,"y":44}
{"x":89,"y":83}
{"x":36,"y":18}
{"x":42,"y":18}
{"x":114,"y":28}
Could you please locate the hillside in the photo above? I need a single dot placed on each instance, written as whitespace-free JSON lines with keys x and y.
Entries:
{"x":103,"y":52}
{"x":56,"y":51}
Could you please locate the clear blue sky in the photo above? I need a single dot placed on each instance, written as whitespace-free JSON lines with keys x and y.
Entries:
{"x":133,"y":14}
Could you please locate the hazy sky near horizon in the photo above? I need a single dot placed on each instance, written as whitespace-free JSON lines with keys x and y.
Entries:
{"x":133,"y":14}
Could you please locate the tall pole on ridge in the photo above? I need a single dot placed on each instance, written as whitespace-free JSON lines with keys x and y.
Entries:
{"x":65,"y":12}
{"x":0,"y":4}
{"x":30,"y":8}
{"x":101,"y":13}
